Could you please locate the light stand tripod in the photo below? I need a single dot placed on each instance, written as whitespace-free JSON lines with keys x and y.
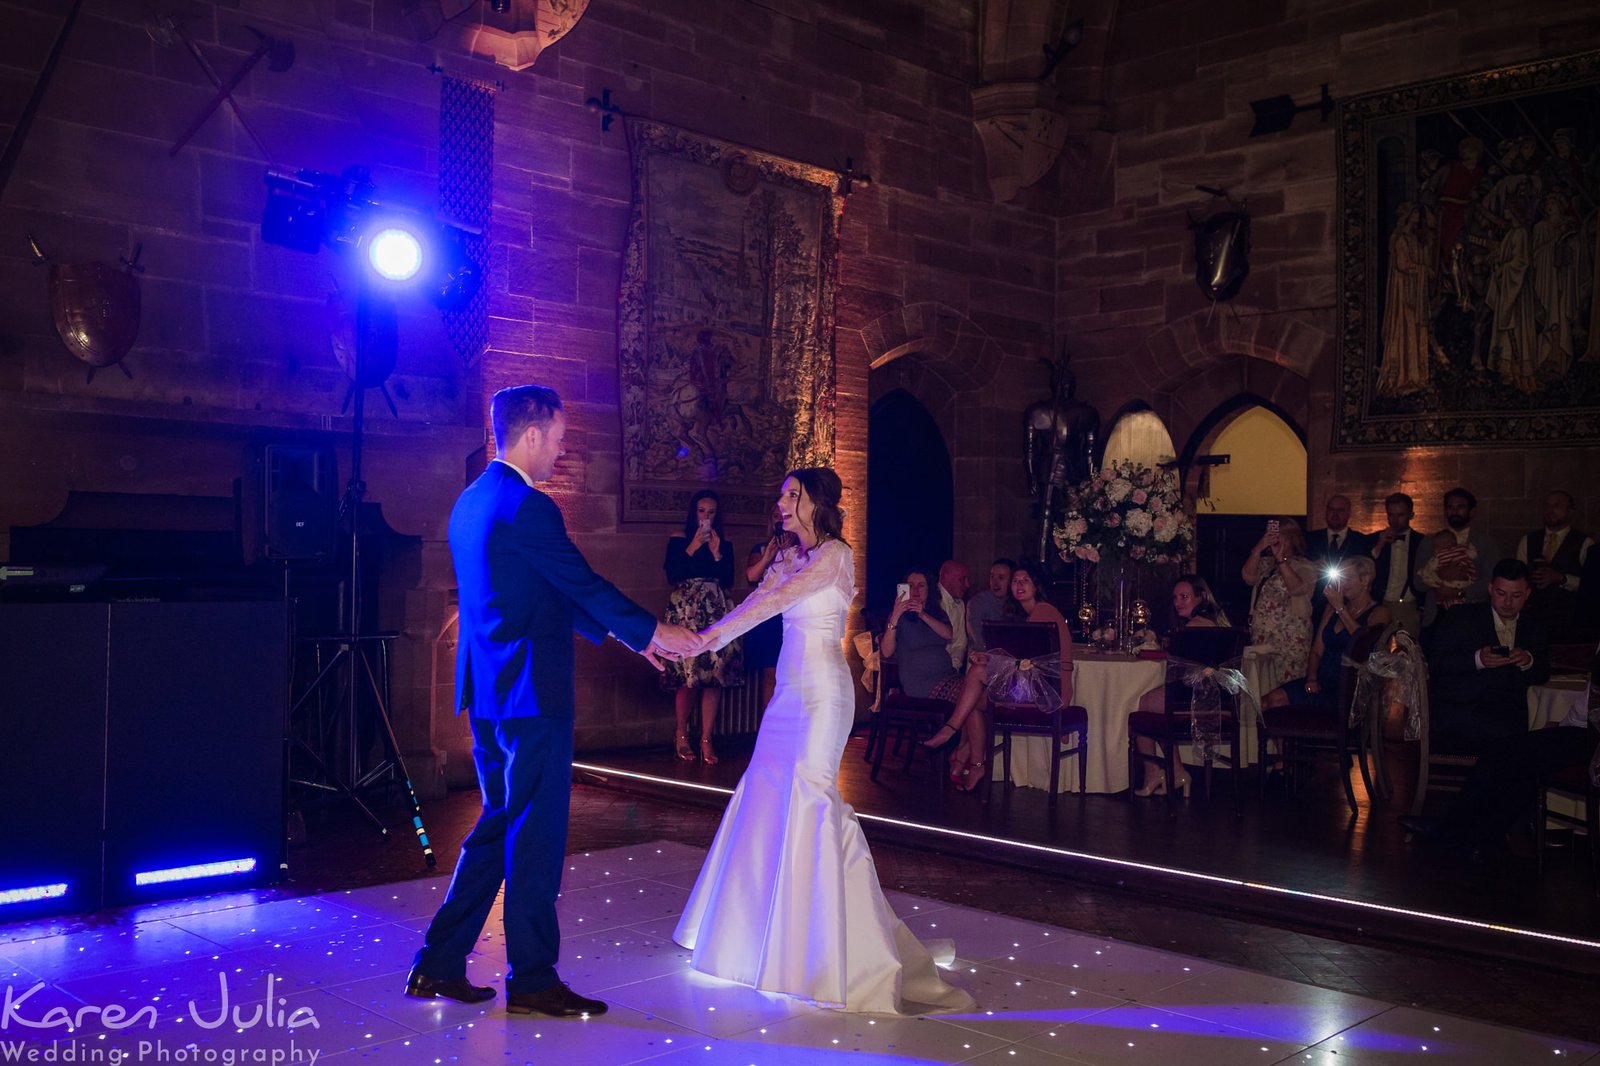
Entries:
{"x":351,"y":659}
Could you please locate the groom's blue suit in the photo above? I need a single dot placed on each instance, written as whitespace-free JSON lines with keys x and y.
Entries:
{"x":524,"y":589}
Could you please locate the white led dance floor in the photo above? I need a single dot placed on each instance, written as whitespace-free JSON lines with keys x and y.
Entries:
{"x":148,"y":986}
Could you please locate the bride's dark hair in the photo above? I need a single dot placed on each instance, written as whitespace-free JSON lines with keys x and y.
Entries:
{"x":824,"y":488}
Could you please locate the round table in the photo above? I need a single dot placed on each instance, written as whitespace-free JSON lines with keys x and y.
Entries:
{"x":1549,"y":703}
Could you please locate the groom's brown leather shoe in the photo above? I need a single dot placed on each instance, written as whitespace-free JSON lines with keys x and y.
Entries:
{"x":557,"y":1001}
{"x":420,"y":986}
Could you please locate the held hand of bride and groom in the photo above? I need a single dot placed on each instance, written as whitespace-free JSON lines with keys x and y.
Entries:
{"x":673,"y":642}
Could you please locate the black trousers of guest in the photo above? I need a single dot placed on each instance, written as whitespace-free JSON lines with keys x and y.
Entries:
{"x":1501,"y":786}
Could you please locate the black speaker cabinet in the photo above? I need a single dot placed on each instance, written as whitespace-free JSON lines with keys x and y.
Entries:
{"x":139,"y":742}
{"x":194,"y":741}
{"x":52,"y":755}
{"x":300,"y":505}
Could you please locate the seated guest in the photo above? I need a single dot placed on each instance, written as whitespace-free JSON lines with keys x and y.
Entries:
{"x":1395,"y":550}
{"x":1280,"y":609}
{"x":1350,"y":609}
{"x":1193,"y":605}
{"x":955,"y":581}
{"x":974,"y":735}
{"x":915,"y":639}
{"x":1484,"y":658}
{"x":1501,"y":787}
{"x":991,"y":604}
{"x":1476,"y":547}
{"x":1555,"y":556}
{"x":1331,"y":545}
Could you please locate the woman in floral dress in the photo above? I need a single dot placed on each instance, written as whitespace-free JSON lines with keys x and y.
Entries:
{"x":700,"y":566}
{"x":1283,"y":580}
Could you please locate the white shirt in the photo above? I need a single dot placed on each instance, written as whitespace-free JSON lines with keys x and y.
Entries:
{"x":1399,"y":553}
{"x":956,"y":611}
{"x":1336,"y":540}
{"x":523,"y":474}
{"x":1505,"y":632}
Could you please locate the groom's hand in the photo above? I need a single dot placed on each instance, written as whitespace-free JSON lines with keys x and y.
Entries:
{"x":675,"y":639}
{"x":654,"y":656}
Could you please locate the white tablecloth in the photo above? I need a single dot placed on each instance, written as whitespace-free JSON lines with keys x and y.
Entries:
{"x":1109,"y":687}
{"x":1549,"y":703}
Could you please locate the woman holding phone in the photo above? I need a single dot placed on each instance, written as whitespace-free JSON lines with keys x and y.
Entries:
{"x":699,"y":564}
{"x":1350,"y":609}
{"x":1283,"y":580}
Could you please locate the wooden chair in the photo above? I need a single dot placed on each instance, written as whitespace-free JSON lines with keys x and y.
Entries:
{"x":1304,"y":732}
{"x":1438,"y":770}
{"x":905,"y":721}
{"x":1572,"y":782}
{"x":1173,"y":725}
{"x":1030,"y":640}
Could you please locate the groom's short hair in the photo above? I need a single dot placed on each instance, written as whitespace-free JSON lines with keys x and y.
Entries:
{"x":517,"y":407}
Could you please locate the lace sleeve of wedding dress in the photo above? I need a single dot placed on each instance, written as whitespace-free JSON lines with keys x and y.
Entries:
{"x":789,"y":580}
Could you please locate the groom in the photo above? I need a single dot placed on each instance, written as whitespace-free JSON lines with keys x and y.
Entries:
{"x":524,"y":588}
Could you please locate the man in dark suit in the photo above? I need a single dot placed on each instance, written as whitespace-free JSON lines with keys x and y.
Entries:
{"x":524,"y":589}
{"x":1501,"y":787}
{"x":1332,"y":545}
{"x":1394,"y":550}
{"x":1484,"y":658}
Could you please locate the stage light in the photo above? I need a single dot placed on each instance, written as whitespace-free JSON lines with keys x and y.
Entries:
{"x":32,"y":894}
{"x":397,"y":243}
{"x":395,"y":253}
{"x":190,"y":873}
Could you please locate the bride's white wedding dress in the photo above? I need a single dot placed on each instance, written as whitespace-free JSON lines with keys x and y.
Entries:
{"x":788,"y":900}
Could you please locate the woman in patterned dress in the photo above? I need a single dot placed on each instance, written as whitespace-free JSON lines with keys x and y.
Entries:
{"x":699,"y":564}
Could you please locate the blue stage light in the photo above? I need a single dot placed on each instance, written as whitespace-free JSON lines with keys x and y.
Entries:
{"x":32,"y":894}
{"x":189,"y":873}
{"x":395,"y":253}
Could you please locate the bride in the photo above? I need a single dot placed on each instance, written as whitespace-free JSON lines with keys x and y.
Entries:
{"x":788,"y":900}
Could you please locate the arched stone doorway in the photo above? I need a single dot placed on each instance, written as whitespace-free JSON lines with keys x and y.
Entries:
{"x":911,"y":508}
{"x":1265,"y":475}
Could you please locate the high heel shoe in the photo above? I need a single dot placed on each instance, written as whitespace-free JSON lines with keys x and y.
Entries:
{"x":685,"y":752}
{"x":1182,"y":785}
{"x":1158,"y":787}
{"x":707,"y":755}
{"x":975,"y":775}
{"x":945,"y":735}
{"x":958,"y":772}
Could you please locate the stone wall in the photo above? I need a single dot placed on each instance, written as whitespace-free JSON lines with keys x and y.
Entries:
{"x":1181,"y":74}
{"x":233,"y":344}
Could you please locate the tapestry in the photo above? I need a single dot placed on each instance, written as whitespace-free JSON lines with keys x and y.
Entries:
{"x":726,"y":324}
{"x":466,"y":173}
{"x":1468,"y":291}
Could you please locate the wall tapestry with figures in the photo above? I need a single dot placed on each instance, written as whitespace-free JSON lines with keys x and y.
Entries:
{"x":726,"y":329}
{"x":1468,"y":284}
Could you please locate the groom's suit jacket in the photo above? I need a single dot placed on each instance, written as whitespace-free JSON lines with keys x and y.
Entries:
{"x":524,"y":588}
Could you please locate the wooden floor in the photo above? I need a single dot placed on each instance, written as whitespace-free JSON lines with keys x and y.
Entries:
{"x":1301,"y":848}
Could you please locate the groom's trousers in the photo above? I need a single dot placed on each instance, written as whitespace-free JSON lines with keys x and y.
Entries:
{"x":525,"y":772}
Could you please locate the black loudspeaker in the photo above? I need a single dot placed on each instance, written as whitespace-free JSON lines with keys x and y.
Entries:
{"x":141,"y":751}
{"x":300,"y":502}
{"x":198,"y":694}
{"x":52,"y":756}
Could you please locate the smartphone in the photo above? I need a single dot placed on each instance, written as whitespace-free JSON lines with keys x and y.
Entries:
{"x":1331,"y":575}
{"x":1500,"y":649}
{"x":705,"y":525}
{"x":1272,"y":527}
{"x":902,"y":591}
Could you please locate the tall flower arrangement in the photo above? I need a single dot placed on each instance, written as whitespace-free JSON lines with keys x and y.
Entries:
{"x":1126,"y":511}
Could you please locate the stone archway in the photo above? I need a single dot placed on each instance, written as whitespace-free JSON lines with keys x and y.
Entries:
{"x":1205,"y":360}
{"x":950,"y":365}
